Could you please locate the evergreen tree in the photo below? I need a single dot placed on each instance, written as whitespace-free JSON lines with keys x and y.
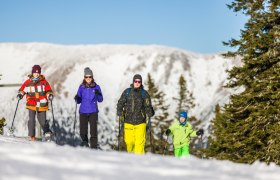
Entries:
{"x":2,"y":124}
{"x":185,"y":98}
{"x":248,"y":128}
{"x":160,"y":121}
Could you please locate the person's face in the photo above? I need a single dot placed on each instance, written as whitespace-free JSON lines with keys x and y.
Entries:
{"x":35,"y":75}
{"x":182,"y":119}
{"x":88,"y":79}
{"x":137,"y":83}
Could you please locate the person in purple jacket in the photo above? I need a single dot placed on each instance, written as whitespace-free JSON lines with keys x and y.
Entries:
{"x":88,"y":95}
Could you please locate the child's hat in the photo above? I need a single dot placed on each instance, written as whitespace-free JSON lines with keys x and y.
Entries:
{"x":183,"y":114}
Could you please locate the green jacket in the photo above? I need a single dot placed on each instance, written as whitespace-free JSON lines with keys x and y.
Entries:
{"x":181,"y":135}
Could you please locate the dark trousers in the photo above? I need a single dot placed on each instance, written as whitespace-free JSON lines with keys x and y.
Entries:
{"x":41,"y":119}
{"x":92,"y":120}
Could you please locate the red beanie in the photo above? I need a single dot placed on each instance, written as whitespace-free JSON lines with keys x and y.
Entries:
{"x":36,"y":69}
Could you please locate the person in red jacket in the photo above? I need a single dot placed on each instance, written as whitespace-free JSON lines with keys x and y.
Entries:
{"x":38,"y":91}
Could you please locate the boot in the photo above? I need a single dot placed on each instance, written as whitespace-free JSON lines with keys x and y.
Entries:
{"x":93,"y":142}
{"x":84,"y":144}
{"x":32,"y":138}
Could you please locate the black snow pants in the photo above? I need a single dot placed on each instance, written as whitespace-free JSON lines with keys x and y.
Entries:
{"x":41,"y":119}
{"x":92,"y":119}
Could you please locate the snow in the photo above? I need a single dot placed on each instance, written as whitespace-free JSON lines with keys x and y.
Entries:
{"x":113,"y":68}
{"x":24,"y":160}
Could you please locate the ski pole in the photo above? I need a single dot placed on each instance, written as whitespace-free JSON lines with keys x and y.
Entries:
{"x":11,"y":128}
{"x":74,"y":128}
{"x":201,"y":142}
{"x":150,"y":128}
{"x":165,"y":146}
{"x":53,"y":123}
{"x":120,"y":130}
{"x":201,"y":145}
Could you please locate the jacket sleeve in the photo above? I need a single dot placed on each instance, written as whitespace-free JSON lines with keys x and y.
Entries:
{"x":121,"y":103}
{"x":193,"y":132}
{"x":172,"y":127}
{"x":48,"y":89}
{"x":79,"y":93}
{"x":100,"y":95}
{"x":22,"y":90}
{"x":149,"y":110}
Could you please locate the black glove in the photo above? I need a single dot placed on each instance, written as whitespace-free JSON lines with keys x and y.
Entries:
{"x":76,"y":97}
{"x":167,"y":132}
{"x":97,"y":92}
{"x":200,"y":132}
{"x":19,"y":96}
{"x":50,"y":97}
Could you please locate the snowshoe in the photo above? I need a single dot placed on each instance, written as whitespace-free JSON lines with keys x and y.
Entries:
{"x":47,"y":137}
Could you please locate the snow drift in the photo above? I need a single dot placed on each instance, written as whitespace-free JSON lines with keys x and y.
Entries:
{"x":25,"y":160}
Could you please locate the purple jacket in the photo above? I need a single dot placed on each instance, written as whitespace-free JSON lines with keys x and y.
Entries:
{"x":88,"y":99}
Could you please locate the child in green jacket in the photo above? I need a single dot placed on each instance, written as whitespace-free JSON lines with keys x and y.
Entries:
{"x":182,"y":132}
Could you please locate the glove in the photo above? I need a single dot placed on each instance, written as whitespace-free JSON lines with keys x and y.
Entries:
{"x":19,"y":96}
{"x":97,"y":92}
{"x":76,"y":97}
{"x":167,"y":132}
{"x":200,"y":132}
{"x":50,"y":97}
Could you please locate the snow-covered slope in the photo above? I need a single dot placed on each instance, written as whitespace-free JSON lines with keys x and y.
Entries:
{"x":22,"y":160}
{"x":113,"y":67}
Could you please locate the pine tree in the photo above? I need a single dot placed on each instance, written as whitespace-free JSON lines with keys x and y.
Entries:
{"x":160,"y":121}
{"x":248,"y":128}
{"x":2,"y":124}
{"x":185,"y":98}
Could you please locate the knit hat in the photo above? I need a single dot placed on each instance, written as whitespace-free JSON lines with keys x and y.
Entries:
{"x":185,"y":115}
{"x":88,"y":72}
{"x":36,"y":69}
{"x":137,"y":76}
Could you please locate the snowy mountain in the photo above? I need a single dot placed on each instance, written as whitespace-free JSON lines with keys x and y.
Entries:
{"x":25,"y":160}
{"x":113,"y":67}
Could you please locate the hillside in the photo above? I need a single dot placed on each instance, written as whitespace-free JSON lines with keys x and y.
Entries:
{"x":113,"y":67}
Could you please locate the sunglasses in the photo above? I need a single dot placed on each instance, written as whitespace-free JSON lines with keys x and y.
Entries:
{"x":86,"y":77}
{"x":137,"y":81}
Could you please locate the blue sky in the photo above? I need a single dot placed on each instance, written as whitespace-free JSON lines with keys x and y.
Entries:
{"x":194,"y":25}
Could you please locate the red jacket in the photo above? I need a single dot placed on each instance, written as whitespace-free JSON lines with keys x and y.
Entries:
{"x":36,"y":93}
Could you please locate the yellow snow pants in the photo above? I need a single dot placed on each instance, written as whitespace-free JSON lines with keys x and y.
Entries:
{"x":135,"y":138}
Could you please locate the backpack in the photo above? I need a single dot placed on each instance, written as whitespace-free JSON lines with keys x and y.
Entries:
{"x":143,"y":95}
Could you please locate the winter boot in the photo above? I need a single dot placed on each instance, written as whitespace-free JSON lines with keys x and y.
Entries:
{"x":93,"y":143}
{"x":84,"y":144}
{"x":32,"y":138}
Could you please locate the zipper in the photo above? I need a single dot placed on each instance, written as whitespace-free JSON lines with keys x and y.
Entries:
{"x":132,"y":96}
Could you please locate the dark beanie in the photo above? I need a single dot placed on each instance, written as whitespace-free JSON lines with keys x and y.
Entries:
{"x":137,"y":76}
{"x":88,"y":72}
{"x":36,"y":69}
